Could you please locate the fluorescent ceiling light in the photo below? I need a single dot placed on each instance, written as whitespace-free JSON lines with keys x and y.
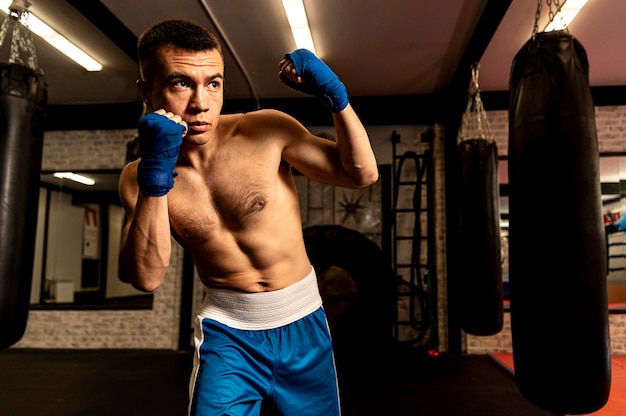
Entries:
{"x":74,"y":177}
{"x":565,"y":15}
{"x":56,"y":40}
{"x":299,"y":24}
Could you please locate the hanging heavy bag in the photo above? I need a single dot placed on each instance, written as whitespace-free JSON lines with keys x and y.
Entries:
{"x":557,"y":253}
{"x":23,"y":96}
{"x":479,"y":283}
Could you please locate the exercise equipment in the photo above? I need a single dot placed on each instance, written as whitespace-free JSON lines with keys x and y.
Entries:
{"x":23,"y":96}
{"x":478,"y":281}
{"x":479,"y":285}
{"x":358,"y":291}
{"x":413,"y":245}
{"x":557,"y":252}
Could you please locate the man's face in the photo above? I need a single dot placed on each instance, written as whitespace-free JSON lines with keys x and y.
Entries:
{"x":189,"y":84}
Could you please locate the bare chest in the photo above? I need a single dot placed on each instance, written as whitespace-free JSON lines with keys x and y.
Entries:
{"x":219,"y":203}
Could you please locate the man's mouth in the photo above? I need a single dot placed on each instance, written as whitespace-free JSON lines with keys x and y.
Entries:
{"x":197,"y":127}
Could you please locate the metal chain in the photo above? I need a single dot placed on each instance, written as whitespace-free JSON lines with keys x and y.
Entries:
{"x":537,"y":17}
{"x":475,"y":124}
{"x":552,"y":12}
{"x":557,"y":9}
{"x":22,"y":43}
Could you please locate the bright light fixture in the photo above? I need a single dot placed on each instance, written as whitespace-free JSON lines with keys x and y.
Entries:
{"x":299,"y":24}
{"x":74,"y":177}
{"x":566,"y":14}
{"x":45,"y":32}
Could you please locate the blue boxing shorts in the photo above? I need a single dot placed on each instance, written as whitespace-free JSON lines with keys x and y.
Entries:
{"x":275,"y":346}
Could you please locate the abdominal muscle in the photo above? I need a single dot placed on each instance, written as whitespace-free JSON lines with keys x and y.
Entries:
{"x":265,"y":253}
{"x":251,"y":264}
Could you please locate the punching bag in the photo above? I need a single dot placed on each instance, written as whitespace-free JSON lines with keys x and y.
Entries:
{"x":557,"y":252}
{"x":23,"y":96}
{"x":479,"y":283}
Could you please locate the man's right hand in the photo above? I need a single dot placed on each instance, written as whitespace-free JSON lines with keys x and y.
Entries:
{"x":160,"y":136}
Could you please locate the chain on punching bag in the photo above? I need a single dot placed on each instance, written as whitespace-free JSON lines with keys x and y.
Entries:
{"x":557,"y":253}
{"x":23,"y":96}
{"x":478,"y":282}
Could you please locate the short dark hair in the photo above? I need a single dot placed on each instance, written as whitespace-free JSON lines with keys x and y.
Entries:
{"x":181,"y":34}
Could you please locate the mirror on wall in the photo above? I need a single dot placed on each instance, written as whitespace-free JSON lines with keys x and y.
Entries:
{"x":613,"y":187}
{"x":79,"y":229}
{"x":613,"y":184}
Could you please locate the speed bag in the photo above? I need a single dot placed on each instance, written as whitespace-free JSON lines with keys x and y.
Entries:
{"x":23,"y":98}
{"x":557,"y":252}
{"x":478,"y":283}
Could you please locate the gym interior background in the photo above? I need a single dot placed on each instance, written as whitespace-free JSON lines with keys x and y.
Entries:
{"x":63,"y":326}
{"x":87,"y":307}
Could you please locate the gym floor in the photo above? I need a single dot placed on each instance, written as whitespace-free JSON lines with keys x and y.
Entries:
{"x":155,"y":382}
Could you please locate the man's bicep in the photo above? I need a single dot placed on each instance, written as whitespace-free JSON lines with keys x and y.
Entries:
{"x":316,"y":158}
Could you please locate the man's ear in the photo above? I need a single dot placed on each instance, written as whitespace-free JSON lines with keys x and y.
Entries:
{"x":144,"y":91}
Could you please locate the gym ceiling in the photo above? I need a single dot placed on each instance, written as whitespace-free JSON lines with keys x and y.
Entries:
{"x":403,"y":61}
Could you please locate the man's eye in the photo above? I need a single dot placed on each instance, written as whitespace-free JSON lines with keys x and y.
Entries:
{"x":181,"y":84}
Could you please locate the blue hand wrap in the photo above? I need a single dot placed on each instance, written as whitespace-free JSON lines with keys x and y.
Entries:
{"x":320,"y":80}
{"x":159,"y":141}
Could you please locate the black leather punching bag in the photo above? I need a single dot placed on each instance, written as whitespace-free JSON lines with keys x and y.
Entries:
{"x":23,"y":96}
{"x":557,"y":252}
{"x":479,"y":286}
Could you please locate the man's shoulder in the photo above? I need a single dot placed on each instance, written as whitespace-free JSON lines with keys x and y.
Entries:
{"x":257,"y":118}
{"x":130,"y":167}
{"x":254,"y":114}
{"x":259,"y":124}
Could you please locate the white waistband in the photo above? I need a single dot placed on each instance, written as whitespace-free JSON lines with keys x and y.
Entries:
{"x":263,"y":310}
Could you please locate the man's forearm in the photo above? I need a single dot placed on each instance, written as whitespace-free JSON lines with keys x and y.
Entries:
{"x":146,"y":248}
{"x":354,"y":147}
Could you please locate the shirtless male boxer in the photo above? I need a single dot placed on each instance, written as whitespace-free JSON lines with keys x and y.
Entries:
{"x":222,"y":185}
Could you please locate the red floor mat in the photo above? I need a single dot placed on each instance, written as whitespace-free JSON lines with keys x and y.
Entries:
{"x":615,"y":406}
